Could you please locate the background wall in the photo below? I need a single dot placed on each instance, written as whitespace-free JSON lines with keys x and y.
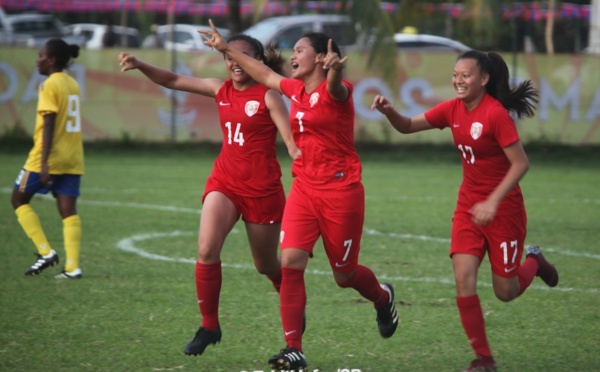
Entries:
{"x":119,"y":106}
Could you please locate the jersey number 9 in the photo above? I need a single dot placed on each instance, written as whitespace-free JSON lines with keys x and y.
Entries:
{"x":73,"y":123}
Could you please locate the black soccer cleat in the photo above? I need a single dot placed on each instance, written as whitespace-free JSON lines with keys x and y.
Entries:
{"x":288,"y":359}
{"x":202,"y":339}
{"x":546,"y":271}
{"x":482,"y":364}
{"x":75,"y":274}
{"x":42,"y":263}
{"x":387,"y":316}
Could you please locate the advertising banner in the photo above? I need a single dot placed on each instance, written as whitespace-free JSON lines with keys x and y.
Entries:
{"x":128,"y":106}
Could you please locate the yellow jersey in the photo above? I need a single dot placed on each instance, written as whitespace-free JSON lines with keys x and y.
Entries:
{"x":59,"y":94}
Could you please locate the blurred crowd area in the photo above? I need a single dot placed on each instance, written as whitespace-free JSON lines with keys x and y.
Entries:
{"x":484,"y":25}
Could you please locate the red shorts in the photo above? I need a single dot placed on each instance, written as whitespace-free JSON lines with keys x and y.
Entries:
{"x":503,"y":239}
{"x":266,"y":210}
{"x":336,"y":215}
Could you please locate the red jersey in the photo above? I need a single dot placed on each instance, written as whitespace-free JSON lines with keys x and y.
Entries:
{"x":480,"y":135}
{"x":247,"y":163}
{"x":323,"y":129}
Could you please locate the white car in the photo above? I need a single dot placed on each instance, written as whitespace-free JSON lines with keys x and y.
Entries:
{"x":92,"y":34}
{"x":185,"y":36}
{"x":31,"y":29}
{"x":425,"y":42}
{"x":284,"y":31}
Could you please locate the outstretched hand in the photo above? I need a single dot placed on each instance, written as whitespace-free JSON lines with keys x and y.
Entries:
{"x":382,"y":104}
{"x":127,"y":62}
{"x":213,"y":39}
{"x":332,"y":59}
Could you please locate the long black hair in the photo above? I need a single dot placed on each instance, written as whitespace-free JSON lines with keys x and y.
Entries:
{"x":520,"y":100}
{"x":61,"y":51}
{"x":271,"y":58}
{"x":320,"y":43}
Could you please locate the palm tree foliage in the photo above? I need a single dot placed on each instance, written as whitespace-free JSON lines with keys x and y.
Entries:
{"x":373,"y":22}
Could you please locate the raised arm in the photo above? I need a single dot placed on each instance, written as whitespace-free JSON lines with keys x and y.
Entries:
{"x":253,"y":67}
{"x":204,"y":86}
{"x":332,"y":61}
{"x":401,"y":123}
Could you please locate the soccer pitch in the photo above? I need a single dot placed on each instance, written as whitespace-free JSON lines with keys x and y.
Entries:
{"x":136,"y":308}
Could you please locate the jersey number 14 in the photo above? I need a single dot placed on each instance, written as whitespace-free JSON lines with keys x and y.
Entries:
{"x":238,"y":136}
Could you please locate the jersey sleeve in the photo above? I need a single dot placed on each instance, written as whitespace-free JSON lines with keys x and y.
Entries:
{"x":505,"y":129}
{"x":288,"y":85}
{"x":47,"y":101}
{"x":440,"y":115}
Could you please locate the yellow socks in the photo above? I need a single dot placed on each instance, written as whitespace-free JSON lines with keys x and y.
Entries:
{"x":72,"y":238}
{"x":30,"y":222}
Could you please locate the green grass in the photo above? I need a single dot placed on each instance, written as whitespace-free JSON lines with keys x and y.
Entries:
{"x":135,"y":312}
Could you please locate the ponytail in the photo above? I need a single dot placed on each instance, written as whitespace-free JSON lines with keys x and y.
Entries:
{"x":520,"y":100}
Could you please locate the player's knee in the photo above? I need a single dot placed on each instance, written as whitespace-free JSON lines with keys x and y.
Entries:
{"x":343,"y":280}
{"x":265,"y":268}
{"x":504,"y":296}
{"x":207,"y":255}
{"x":343,"y":284}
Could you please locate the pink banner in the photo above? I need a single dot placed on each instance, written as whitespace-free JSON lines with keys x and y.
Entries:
{"x":526,"y":11}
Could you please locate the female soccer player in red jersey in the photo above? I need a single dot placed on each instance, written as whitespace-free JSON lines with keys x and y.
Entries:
{"x":56,"y":162}
{"x":490,"y":213}
{"x":246,"y":178}
{"x":327,"y":196}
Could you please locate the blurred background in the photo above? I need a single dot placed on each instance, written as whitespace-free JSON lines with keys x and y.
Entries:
{"x":403,"y":49}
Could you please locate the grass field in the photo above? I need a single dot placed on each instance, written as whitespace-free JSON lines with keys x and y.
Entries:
{"x":136,"y":308}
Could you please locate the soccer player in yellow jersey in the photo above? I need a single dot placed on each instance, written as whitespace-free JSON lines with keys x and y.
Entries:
{"x":55,"y":163}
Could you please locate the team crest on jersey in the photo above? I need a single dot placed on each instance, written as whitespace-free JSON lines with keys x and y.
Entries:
{"x":476,"y":129}
{"x":314,"y":98}
{"x":251,"y":107}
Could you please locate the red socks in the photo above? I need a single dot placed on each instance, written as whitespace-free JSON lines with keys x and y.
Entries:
{"x":526,"y":273}
{"x":292,"y":306}
{"x":473,"y":323}
{"x":208,"y":290}
{"x":276,"y":280}
{"x":365,"y":283}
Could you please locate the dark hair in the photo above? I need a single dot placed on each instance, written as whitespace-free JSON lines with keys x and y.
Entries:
{"x":319,"y":42}
{"x":520,"y":100}
{"x":271,"y":58}
{"x":61,"y":51}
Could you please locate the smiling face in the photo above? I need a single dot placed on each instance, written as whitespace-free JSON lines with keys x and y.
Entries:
{"x":303,"y":59}
{"x":468,"y":81}
{"x":236,"y":73}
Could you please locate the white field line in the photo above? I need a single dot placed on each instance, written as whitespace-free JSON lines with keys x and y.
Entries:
{"x":128,"y":244}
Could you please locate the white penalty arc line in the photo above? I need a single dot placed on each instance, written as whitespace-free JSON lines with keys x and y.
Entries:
{"x":367,"y":231}
{"x":129,"y":245}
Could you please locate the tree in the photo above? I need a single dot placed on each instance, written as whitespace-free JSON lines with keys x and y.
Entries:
{"x":374,"y":22}
{"x":234,"y":21}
